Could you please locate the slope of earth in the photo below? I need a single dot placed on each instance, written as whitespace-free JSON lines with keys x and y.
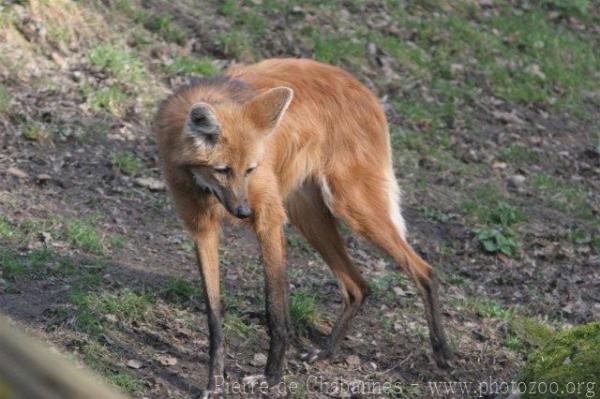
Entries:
{"x":495,"y":123}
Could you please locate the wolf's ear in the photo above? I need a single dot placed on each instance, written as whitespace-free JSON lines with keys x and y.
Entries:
{"x":202,"y":123}
{"x":266,"y":109}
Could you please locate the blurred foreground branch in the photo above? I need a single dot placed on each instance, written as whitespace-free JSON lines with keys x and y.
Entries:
{"x":28,"y":370}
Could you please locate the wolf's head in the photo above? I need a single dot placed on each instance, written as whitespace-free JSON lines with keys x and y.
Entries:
{"x":227,"y":143}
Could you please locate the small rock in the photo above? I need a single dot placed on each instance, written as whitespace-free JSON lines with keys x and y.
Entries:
{"x":45,"y":237}
{"x":166,"y":360}
{"x":516,"y":181}
{"x":259,"y":360}
{"x":253,"y":379}
{"x":485,"y":3}
{"x":42,"y":178}
{"x":399,"y":291}
{"x":134,"y":364}
{"x":372,"y":49}
{"x":508,"y":117}
{"x":113,"y":319}
{"x":353,"y":361}
{"x":534,"y":70}
{"x":59,"y":60}
{"x":456,"y":69}
{"x":499,"y":165}
{"x":14,"y":171}
{"x":150,"y":183}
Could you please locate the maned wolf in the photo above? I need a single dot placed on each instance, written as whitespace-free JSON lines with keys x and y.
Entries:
{"x":288,"y":138}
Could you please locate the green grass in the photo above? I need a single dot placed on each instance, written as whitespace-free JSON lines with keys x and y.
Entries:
{"x":6,"y":229}
{"x":304,"y":311}
{"x":12,"y":267}
{"x":433,"y":214}
{"x":92,"y":307}
{"x":518,"y":155}
{"x":35,"y":131}
{"x":569,"y":360}
{"x":127,"y":162}
{"x":181,"y":290}
{"x":113,"y":99}
{"x":123,"y":65}
{"x":491,"y":309}
{"x":84,"y":235}
{"x":335,"y":49}
{"x":524,"y":57}
{"x":162,"y":25}
{"x":123,"y":381}
{"x":38,"y":263}
{"x":249,"y":20}
{"x":237,"y":44}
{"x":497,"y":219}
{"x":5,"y":100}
{"x":564,"y":196}
{"x":102,"y":360}
{"x":234,"y":324}
{"x":58,"y":35}
{"x":192,"y":65}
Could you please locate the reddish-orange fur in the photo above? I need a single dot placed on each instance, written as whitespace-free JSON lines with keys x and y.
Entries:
{"x":328,"y":157}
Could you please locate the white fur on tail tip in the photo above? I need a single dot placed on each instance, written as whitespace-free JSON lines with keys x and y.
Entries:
{"x":327,"y":194}
{"x":394,"y":205}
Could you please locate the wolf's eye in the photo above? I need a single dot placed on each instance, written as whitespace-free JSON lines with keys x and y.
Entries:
{"x":250,"y":170}
{"x":222,"y":170}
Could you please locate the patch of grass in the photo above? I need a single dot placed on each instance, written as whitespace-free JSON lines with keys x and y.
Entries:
{"x":123,"y":381}
{"x":91,"y":307}
{"x":249,"y":20}
{"x":334,"y":49}
{"x":12,"y":267}
{"x":564,"y":196}
{"x":101,"y":359}
{"x":6,"y":230}
{"x":304,"y":311}
{"x":596,"y":242}
{"x":113,"y":99}
{"x":254,"y":23}
{"x":162,"y":25}
{"x":237,"y":44}
{"x":498,"y":218}
{"x":35,"y":131}
{"x":298,"y":242}
{"x":233,"y":323}
{"x":38,"y":263}
{"x":229,"y":7}
{"x":192,"y":65}
{"x":58,"y":36}
{"x":83,"y":234}
{"x":537,"y":61}
{"x":127,"y":162}
{"x":124,"y":66}
{"x":182,"y":290}
{"x":382,"y":286}
{"x":433,"y":214}
{"x":5,"y":100}
{"x":518,"y":155}
{"x":498,"y":240}
{"x":532,"y":331}
{"x":488,"y":308}
{"x":569,"y":360}
{"x":410,"y":57}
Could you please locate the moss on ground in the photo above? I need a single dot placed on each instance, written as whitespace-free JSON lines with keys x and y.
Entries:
{"x":569,"y":362}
